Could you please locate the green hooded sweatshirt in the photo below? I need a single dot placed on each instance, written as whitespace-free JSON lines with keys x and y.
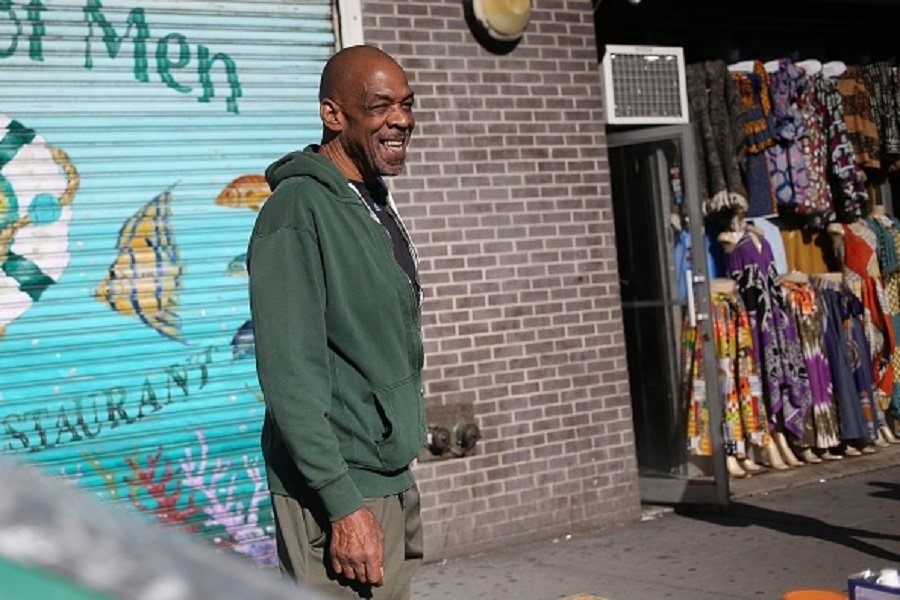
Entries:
{"x":338,"y":345}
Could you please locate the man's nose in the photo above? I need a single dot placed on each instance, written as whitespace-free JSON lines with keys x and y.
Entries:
{"x":402,"y":117}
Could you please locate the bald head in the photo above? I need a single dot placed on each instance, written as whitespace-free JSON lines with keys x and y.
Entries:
{"x":346,"y":71}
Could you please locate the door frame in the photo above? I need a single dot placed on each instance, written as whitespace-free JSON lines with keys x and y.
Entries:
{"x":673,"y":490}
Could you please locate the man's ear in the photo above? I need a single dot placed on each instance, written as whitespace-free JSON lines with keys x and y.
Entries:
{"x":331,"y":115}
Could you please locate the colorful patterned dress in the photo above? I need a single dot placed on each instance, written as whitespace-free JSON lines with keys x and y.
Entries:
{"x":863,"y":375}
{"x":849,"y":190}
{"x":861,"y":125}
{"x":886,"y":110}
{"x":814,"y":147}
{"x":693,"y":391}
{"x":753,"y":89}
{"x":887,"y":231}
{"x":863,"y":277}
{"x":741,"y":392}
{"x":787,"y":167}
{"x":844,"y":344}
{"x":785,"y":381}
{"x":821,"y":428}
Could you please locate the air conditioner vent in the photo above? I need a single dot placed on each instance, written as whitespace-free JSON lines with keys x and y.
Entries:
{"x":644,"y":85}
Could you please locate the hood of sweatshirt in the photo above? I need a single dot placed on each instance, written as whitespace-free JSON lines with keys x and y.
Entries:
{"x":308,"y":163}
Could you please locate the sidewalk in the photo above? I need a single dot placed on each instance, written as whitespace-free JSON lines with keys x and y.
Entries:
{"x":805,"y":528}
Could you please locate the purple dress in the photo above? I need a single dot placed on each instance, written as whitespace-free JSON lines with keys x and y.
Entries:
{"x":782,"y":368}
{"x":822,"y":425}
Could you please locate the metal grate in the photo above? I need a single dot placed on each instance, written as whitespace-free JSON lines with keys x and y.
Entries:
{"x":644,"y":85}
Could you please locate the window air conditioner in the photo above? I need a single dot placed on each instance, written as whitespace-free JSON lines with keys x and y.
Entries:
{"x":644,"y":85}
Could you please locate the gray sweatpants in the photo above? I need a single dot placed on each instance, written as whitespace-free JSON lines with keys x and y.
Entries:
{"x":302,"y":535}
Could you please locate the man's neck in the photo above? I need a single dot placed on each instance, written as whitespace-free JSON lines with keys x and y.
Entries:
{"x":335,"y":153}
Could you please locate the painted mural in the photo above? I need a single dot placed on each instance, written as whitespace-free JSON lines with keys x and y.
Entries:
{"x":37,"y":186}
{"x":132,"y":135}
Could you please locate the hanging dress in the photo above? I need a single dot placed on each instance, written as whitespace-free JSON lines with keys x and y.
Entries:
{"x":739,"y":384}
{"x":886,"y":110}
{"x":861,"y":125}
{"x":787,"y":167}
{"x":863,"y":375}
{"x":715,"y":108}
{"x":822,"y":425}
{"x":785,"y":382}
{"x":753,"y":89}
{"x":887,"y":232}
{"x":863,"y":277}
{"x":847,"y":370}
{"x":848,"y":181}
{"x":693,"y":390}
{"x":814,"y":147}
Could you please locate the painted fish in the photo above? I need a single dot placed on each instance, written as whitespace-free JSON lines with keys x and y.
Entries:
{"x":37,"y":185}
{"x":145,"y":278}
{"x":246,"y":191}
{"x":237,"y":266}
{"x":243,"y":344}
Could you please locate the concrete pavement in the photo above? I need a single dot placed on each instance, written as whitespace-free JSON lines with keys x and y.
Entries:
{"x":806,"y":528}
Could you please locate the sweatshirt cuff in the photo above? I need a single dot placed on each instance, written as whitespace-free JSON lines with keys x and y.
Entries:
{"x":340,"y":497}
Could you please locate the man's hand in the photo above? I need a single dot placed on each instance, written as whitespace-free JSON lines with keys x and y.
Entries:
{"x":357,"y":547}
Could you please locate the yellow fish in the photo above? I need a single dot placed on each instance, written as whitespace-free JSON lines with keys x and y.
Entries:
{"x":248,"y":191}
{"x":145,"y":278}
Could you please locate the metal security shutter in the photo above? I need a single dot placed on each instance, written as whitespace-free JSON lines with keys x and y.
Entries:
{"x":133,"y":137}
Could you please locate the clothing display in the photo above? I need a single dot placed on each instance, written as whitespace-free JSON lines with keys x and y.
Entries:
{"x":816,"y":263}
{"x":783,"y":372}
{"x":791,"y":141}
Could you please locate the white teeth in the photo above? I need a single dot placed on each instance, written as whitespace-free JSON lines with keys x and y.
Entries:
{"x":394,"y":144}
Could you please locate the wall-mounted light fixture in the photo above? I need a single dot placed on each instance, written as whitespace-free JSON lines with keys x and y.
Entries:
{"x":498,"y":25}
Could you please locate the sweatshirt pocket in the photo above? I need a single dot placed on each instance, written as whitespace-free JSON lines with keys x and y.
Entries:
{"x":402,"y":413}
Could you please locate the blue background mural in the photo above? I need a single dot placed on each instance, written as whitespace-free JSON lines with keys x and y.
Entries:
{"x":133,"y":139}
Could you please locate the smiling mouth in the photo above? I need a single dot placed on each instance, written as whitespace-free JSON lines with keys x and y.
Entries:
{"x":396,"y":149}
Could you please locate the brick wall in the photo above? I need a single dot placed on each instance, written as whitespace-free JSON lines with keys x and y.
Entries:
{"x":507,"y":195}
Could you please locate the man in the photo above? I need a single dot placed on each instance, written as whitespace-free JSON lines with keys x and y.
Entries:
{"x":335,"y":299}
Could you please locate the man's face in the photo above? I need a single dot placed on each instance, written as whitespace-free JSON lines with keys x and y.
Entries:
{"x":379,"y":122}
